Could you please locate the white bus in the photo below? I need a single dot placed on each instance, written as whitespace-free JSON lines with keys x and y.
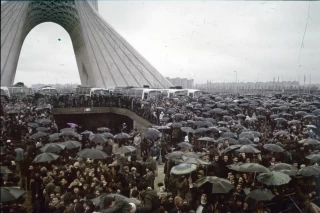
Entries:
{"x":194,"y":93}
{"x":143,"y":93}
{"x":89,"y":91}
{"x":20,"y":91}
{"x":48,"y":90}
{"x":170,"y":93}
{"x":5,"y":92}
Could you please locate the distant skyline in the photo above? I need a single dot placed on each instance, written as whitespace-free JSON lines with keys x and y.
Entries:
{"x":206,"y":40}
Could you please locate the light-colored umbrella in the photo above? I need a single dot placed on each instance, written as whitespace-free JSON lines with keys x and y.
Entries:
{"x":183,"y":168}
{"x":219,"y":185}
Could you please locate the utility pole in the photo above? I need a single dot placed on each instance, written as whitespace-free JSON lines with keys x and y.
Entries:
{"x":309,"y":83}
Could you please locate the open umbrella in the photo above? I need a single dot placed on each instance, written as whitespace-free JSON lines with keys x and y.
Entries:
{"x":5,"y":170}
{"x":72,"y":124}
{"x":187,"y":130}
{"x":38,"y":135}
{"x":282,"y":166}
{"x":249,"y":167}
{"x":121,"y":136}
{"x":310,"y":141}
{"x":125,"y":149}
{"x":45,"y":157}
{"x":207,"y":139}
{"x":185,"y":145}
{"x":314,"y":157}
{"x":310,"y":171}
{"x":248,"y":149}
{"x":10,"y":194}
{"x":192,"y":160}
{"x":232,"y":148}
{"x":273,"y":148}
{"x":219,"y":185}
{"x":42,"y":129}
{"x":231,"y":141}
{"x":67,"y":130}
{"x":229,"y":135}
{"x":245,"y":141}
{"x":52,"y":147}
{"x":107,"y":135}
{"x":92,"y":154}
{"x":86,"y":132}
{"x":183,"y":168}
{"x":201,"y":130}
{"x":70,"y":134}
{"x":281,"y":133}
{"x":33,"y":125}
{"x":71,"y":144}
{"x":98,"y":201}
{"x":103,"y":129}
{"x":248,"y":135}
{"x":152,"y":134}
{"x":44,"y":121}
{"x":261,"y":195}
{"x":98,"y":138}
{"x":274,"y":178}
{"x":54,"y":137}
{"x":176,"y":125}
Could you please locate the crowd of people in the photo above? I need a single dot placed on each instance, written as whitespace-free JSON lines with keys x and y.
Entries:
{"x":221,"y":153}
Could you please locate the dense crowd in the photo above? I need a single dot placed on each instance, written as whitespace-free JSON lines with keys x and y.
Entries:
{"x":226,"y":153}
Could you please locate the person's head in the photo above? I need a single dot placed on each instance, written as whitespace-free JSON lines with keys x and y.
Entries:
{"x":235,"y":160}
{"x":248,"y":160}
{"x":273,"y":160}
{"x":225,"y":158}
{"x":239,"y":188}
{"x":108,"y":202}
{"x":230,"y":201}
{"x":295,"y":164}
{"x":76,"y":190}
{"x":204,"y":198}
{"x":239,"y":202}
{"x":134,"y":193}
{"x":170,"y":198}
{"x":97,"y":193}
{"x":142,"y":186}
{"x":178,"y":201}
{"x":216,"y":157}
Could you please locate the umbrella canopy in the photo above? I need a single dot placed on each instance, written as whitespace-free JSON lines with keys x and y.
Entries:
{"x":273,"y":148}
{"x":44,"y":121}
{"x":282,"y":166}
{"x":10,"y":194}
{"x":248,"y":135}
{"x":249,"y":167}
{"x":261,"y":195}
{"x":71,"y":144}
{"x":245,"y":141}
{"x":152,"y":134}
{"x":45,"y":157}
{"x":187,"y":130}
{"x":125,"y":149}
{"x":231,"y":141}
{"x":54,"y":137}
{"x":274,"y":178}
{"x":5,"y":170}
{"x":176,"y":125}
{"x":185,"y":145}
{"x":92,"y":154}
{"x":67,"y":130}
{"x":281,"y":133}
{"x":52,"y":147}
{"x":229,"y":135}
{"x":33,"y":125}
{"x":71,"y":134}
{"x":103,"y":129}
{"x":98,"y":201}
{"x":191,"y":160}
{"x":98,"y":138}
{"x":207,"y":139}
{"x":310,"y":171}
{"x":232,"y":148}
{"x":201,"y":130}
{"x":72,"y":124}
{"x":121,"y":136}
{"x":86,"y":132}
{"x":38,"y":135}
{"x":107,"y":135}
{"x":183,"y":168}
{"x":219,"y":185}
{"x":314,"y":157}
{"x":42,"y":129}
{"x":310,"y":141}
{"x":248,"y":149}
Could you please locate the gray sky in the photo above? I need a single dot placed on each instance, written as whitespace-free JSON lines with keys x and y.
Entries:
{"x":193,"y":39}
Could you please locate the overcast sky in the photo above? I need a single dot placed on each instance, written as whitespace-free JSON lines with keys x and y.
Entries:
{"x":203,"y":40}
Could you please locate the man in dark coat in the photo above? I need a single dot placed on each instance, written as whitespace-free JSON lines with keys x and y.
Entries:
{"x":150,"y":201}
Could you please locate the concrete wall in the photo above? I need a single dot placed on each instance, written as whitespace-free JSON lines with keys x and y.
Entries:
{"x":138,"y":122}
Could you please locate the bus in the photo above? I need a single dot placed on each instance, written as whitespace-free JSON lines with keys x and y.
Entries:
{"x":142,"y":93}
{"x":90,"y":91}
{"x":5,"y":92}
{"x":48,"y":90}
{"x":170,"y":93}
{"x":20,"y":91}
{"x":194,"y":93}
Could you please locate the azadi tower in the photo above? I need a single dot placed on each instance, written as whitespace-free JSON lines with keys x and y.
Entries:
{"x":104,"y":58}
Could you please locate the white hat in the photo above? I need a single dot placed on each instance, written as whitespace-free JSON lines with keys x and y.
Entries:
{"x":133,"y":168}
{"x":133,"y":207}
{"x":8,"y":141}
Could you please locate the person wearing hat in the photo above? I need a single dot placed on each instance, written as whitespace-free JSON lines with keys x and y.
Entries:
{"x":134,"y":175}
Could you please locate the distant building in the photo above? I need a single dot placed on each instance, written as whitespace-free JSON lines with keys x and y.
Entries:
{"x":183,"y":82}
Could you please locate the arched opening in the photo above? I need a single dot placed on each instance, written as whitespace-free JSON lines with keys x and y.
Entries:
{"x":47,"y":57}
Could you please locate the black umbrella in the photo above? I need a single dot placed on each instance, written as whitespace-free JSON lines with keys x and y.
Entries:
{"x":44,"y":121}
{"x":71,"y":144}
{"x":223,"y":129}
{"x":33,"y":125}
{"x":310,"y":141}
{"x":92,"y":154}
{"x":10,"y":194}
{"x":232,"y":148}
{"x":176,"y":125}
{"x":261,"y":195}
{"x":231,"y":141}
{"x":179,"y":116}
{"x":229,"y":135}
{"x":281,"y":133}
{"x":38,"y":135}
{"x":103,"y":129}
{"x":245,"y":141}
{"x":273,"y":148}
{"x":45,"y":157}
{"x":98,"y":138}
{"x":70,"y":134}
{"x":201,"y":130}
{"x":219,"y":185}
{"x":248,"y":149}
{"x":282,"y":166}
{"x":247,"y":135}
{"x":121,"y":136}
{"x":249,"y":167}
{"x":314,"y":157}
{"x":125,"y":149}
{"x":42,"y":129}
{"x":107,"y":135}
{"x":207,"y":139}
{"x":52,"y":147}
{"x":67,"y":130}
{"x":185,"y":145}
{"x":54,"y":137}
{"x":98,"y":201}
{"x":203,"y":124}
{"x":152,"y":133}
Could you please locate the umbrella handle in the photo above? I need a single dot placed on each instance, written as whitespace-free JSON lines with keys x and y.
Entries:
{"x":295,"y":204}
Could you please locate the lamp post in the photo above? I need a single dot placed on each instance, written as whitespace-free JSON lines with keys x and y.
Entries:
{"x":236,"y":80}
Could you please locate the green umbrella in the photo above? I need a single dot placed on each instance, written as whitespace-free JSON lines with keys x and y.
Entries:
{"x":10,"y":194}
{"x":261,"y":195}
{"x":274,"y":178}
